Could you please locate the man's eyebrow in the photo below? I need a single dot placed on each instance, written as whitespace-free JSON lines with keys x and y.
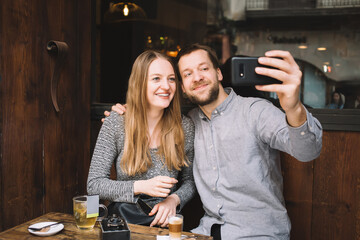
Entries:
{"x":200,"y":64}
{"x":203,"y":63}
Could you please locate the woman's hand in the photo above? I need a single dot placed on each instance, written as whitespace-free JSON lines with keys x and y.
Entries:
{"x":164,"y":209}
{"x":156,"y":187}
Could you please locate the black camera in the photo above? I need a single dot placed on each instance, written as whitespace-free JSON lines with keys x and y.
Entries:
{"x":115,"y":228}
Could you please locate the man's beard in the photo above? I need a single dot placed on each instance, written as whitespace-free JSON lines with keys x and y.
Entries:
{"x":211,"y":97}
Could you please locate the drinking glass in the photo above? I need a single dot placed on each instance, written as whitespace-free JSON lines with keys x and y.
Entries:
{"x":175,"y":226}
{"x":80,"y":213}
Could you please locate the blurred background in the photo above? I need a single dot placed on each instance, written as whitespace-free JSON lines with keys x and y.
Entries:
{"x":323,"y":35}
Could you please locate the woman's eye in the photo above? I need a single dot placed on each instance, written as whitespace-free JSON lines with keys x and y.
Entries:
{"x":156,"y":79}
{"x":172,"y":79}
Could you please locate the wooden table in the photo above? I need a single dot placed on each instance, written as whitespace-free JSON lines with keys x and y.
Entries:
{"x":70,"y":230}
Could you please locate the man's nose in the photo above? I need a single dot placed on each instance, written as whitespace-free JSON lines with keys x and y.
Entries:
{"x":198,"y":76}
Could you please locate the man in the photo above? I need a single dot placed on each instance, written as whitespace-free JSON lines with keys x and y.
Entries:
{"x":237,"y":143}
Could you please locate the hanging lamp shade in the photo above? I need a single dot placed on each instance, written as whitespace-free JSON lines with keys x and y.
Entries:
{"x":123,"y":11}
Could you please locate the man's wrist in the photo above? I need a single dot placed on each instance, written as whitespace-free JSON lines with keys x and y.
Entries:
{"x":296,"y":116}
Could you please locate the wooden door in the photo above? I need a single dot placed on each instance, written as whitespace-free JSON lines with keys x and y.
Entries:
{"x":44,"y":154}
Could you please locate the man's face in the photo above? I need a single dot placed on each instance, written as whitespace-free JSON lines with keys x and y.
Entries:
{"x":200,"y":80}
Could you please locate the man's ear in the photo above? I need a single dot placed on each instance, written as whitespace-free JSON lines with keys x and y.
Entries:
{"x":219,"y":74}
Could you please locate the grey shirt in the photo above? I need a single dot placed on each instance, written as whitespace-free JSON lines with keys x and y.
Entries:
{"x":109,"y":150}
{"x":237,"y":166}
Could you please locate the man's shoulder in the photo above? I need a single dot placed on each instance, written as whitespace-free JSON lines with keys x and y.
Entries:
{"x":242,"y":104}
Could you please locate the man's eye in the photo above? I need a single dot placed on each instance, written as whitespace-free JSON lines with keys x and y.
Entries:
{"x":186,"y":74}
{"x":205,"y":68}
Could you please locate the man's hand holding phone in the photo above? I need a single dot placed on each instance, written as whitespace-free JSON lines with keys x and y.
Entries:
{"x":284,"y":68}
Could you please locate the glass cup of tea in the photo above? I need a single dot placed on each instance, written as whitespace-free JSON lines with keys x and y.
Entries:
{"x":175,"y":226}
{"x":82,"y":220}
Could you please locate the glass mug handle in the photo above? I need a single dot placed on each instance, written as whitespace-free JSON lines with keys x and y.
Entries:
{"x":100,"y":218}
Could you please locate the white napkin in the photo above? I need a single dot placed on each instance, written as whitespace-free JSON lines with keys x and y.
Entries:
{"x":163,"y":237}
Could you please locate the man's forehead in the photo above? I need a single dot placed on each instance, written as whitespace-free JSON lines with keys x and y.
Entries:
{"x":193,"y":59}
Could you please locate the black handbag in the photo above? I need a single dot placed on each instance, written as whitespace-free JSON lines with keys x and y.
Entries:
{"x":135,"y":213}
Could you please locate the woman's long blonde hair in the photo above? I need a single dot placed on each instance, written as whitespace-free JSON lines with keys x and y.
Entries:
{"x":136,"y":158}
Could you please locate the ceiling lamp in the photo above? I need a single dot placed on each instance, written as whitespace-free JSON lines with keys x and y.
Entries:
{"x":124,"y":11}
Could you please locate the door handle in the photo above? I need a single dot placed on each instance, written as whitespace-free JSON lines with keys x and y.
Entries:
{"x":57,"y":50}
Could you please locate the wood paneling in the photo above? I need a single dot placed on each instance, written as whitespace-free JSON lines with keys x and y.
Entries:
{"x":298,"y":188}
{"x":323,"y":196}
{"x":44,"y":154}
{"x":336,"y":182}
{"x":22,"y":126}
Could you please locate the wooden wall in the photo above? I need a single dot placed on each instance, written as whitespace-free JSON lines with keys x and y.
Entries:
{"x":44,"y":154}
{"x":323,"y":196}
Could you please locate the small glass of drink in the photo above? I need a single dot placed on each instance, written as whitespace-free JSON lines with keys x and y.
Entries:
{"x":82,"y":221}
{"x":175,"y":226}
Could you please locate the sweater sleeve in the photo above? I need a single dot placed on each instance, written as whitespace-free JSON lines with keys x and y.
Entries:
{"x":187,"y":188}
{"x":110,"y":138}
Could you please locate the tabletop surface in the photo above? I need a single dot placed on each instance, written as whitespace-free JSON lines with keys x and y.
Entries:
{"x":70,"y":230}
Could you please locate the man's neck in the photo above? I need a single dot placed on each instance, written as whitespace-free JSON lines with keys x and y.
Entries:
{"x":209,"y":108}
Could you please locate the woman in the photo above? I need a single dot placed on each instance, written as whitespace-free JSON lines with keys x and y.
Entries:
{"x":336,"y":101}
{"x":151,"y":145}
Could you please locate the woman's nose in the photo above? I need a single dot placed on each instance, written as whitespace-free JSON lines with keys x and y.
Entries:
{"x":165,"y":84}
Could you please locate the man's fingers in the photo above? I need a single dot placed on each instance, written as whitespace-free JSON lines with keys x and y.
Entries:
{"x":274,"y":73}
{"x":269,"y":88}
{"x":118,"y":108}
{"x":282,"y":54}
{"x":107,"y":113}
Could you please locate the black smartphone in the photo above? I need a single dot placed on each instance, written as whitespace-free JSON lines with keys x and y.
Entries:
{"x":243,"y":72}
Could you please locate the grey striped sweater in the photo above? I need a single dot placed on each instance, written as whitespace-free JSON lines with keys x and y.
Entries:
{"x":109,"y":150}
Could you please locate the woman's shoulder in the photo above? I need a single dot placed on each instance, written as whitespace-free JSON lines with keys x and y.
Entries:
{"x":187,"y":122}
{"x":188,"y":126}
{"x":115,"y":117}
{"x":115,"y":122}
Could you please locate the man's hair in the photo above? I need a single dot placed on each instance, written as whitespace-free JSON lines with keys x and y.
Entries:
{"x":136,"y":158}
{"x":194,"y":47}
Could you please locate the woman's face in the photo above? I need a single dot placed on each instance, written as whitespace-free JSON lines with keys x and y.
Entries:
{"x":161,"y":84}
{"x":336,"y":97}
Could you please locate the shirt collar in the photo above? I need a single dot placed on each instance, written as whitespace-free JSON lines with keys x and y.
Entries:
{"x":223,"y":106}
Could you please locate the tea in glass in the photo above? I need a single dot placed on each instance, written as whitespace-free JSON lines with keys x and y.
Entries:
{"x":80,"y":214}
